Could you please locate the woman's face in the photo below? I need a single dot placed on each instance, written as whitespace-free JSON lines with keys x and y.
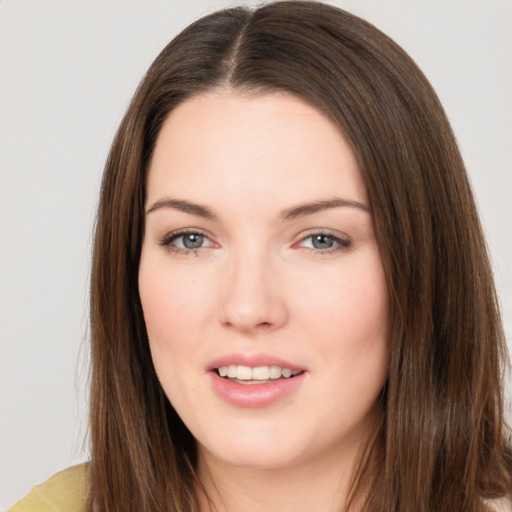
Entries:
{"x":261,"y":281}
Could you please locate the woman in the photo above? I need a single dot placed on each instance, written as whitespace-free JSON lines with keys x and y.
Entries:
{"x":291,"y":302}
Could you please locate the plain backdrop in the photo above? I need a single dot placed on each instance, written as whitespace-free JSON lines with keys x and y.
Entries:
{"x":67,"y":72}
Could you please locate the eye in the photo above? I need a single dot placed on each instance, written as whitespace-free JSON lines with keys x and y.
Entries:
{"x":190,"y":240}
{"x":185,"y":241}
{"x":324,"y":242}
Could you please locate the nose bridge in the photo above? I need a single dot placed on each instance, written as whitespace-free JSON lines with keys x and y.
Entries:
{"x":252,"y":298}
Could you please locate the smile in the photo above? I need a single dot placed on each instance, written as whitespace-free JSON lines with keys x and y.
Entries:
{"x":255,"y":375}
{"x":255,"y":380}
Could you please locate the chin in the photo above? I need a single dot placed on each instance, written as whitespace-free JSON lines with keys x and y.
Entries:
{"x":255,"y":457}
{"x":253,"y":450}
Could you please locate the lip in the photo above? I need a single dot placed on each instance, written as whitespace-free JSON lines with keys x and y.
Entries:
{"x":254,"y":395}
{"x":253,"y":360}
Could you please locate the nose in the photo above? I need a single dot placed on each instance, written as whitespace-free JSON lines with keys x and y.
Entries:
{"x":252,"y":299}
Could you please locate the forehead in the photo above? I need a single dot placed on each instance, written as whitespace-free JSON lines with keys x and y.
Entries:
{"x":220,"y":144}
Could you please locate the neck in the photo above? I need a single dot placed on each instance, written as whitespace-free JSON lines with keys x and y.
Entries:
{"x":321,"y":484}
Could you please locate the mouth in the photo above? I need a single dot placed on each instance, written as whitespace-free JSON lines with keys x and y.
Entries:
{"x":255,"y":380}
{"x":254,"y":375}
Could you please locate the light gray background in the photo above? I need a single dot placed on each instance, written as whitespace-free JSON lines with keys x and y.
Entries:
{"x":67,"y":72}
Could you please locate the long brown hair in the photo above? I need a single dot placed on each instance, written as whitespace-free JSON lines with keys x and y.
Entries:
{"x":441,"y":443}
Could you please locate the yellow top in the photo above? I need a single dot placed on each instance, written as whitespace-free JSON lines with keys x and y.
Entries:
{"x":65,"y":491}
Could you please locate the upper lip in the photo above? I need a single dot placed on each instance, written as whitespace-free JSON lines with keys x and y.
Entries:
{"x":253,"y":360}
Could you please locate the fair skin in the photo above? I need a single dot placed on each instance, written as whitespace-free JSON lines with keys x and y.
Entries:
{"x":279,"y":270}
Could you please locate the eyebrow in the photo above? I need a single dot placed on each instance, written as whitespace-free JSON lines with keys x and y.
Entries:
{"x":184,"y":206}
{"x":301,"y":210}
{"x":305,"y":209}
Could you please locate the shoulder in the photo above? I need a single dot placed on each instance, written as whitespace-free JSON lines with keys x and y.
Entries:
{"x":65,"y":491}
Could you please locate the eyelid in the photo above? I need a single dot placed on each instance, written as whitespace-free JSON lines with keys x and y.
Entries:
{"x":343,"y":241}
{"x":167,"y":240}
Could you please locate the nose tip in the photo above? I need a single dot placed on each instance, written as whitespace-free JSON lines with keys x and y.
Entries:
{"x":252,"y":300}
{"x":246,"y":319}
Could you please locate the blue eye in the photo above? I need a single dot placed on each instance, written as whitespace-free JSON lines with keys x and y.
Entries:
{"x":324,"y":242}
{"x":191,"y":240}
{"x":186,"y":241}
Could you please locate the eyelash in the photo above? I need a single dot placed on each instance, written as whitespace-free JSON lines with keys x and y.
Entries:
{"x":167,"y":242}
{"x":340,"y":244}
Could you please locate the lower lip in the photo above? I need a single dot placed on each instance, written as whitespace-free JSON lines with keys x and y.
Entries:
{"x":254,"y":395}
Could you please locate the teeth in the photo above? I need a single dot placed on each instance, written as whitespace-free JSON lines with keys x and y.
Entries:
{"x":241,"y":372}
{"x":261,"y":373}
{"x":286,"y":373}
{"x":275,"y":372}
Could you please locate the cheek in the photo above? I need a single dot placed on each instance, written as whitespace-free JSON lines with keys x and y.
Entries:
{"x":168,"y":300}
{"x":358,"y":342}
{"x":178,"y":304}
{"x":171,"y":298}
{"x":161,"y":309}
{"x":349,"y":318}
{"x":349,"y":301}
